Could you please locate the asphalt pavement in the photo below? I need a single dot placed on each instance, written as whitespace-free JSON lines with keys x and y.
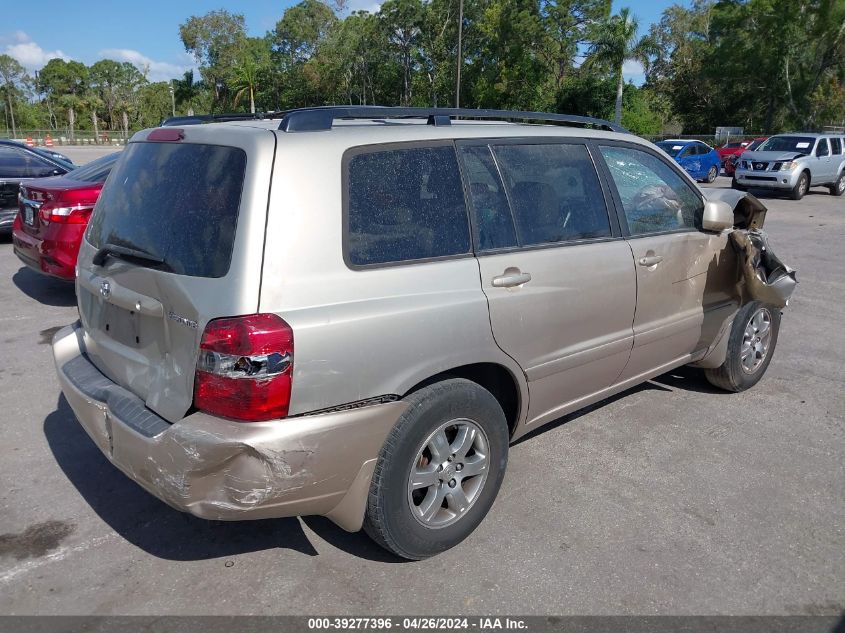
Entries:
{"x":671,"y":498}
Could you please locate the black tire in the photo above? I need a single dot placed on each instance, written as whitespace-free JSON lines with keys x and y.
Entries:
{"x":732,"y":375}
{"x":389,"y":520}
{"x":736,"y":185}
{"x":801,"y":187}
{"x":838,"y":187}
{"x":712,"y":174}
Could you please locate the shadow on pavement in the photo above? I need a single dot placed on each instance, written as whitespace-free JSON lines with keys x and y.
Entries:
{"x":687,"y":379}
{"x":46,"y":290}
{"x":147,"y":522}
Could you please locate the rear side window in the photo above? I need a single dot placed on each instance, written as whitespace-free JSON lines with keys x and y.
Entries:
{"x":176,"y":201}
{"x":654,"y":196}
{"x":404,"y":204}
{"x":554,"y":192}
{"x":836,"y":144}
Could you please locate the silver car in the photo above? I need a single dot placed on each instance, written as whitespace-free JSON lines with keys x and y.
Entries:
{"x":793,"y":163}
{"x":352,"y":312}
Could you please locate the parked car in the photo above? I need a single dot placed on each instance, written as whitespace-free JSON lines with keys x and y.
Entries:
{"x":729,"y":163}
{"x":734,"y":148}
{"x":328,"y":315}
{"x":19,"y":163}
{"x":50,"y":153}
{"x":53,"y":215}
{"x":699,"y":159}
{"x":792,"y":163}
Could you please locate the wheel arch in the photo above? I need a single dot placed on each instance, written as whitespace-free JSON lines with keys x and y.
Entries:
{"x":499,"y":380}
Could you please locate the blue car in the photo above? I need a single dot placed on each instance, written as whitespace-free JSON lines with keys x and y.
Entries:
{"x":698,"y":159}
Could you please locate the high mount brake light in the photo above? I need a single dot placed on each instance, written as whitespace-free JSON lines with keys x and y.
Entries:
{"x":244,"y":368}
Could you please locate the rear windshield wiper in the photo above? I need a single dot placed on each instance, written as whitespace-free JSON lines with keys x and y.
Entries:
{"x":115,"y":250}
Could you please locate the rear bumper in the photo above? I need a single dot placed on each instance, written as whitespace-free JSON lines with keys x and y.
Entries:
{"x":224,"y":470}
{"x":54,"y":256}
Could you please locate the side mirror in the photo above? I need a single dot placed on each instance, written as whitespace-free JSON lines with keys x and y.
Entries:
{"x":718,"y":216}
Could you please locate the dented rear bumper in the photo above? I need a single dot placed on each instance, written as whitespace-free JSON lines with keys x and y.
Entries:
{"x":218,"y":469}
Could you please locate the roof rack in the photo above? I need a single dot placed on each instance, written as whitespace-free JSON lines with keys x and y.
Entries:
{"x":220,"y":118}
{"x":323,"y":117}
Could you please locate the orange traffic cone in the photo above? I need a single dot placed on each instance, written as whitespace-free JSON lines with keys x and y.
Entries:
{"x":48,"y":141}
{"x":29,"y":141}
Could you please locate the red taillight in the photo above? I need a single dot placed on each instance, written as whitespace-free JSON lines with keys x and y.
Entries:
{"x":72,"y":206}
{"x":244,"y":368}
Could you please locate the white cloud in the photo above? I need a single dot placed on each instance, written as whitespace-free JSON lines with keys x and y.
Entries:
{"x":156,"y":71}
{"x":632,"y":68}
{"x":363,"y":5}
{"x":31,"y":56}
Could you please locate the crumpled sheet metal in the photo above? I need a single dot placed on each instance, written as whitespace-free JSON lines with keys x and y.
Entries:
{"x":765,"y":277}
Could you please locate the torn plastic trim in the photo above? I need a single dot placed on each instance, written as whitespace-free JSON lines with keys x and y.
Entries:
{"x":763,"y":276}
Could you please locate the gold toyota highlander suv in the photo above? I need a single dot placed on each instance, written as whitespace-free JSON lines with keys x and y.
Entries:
{"x":352,"y":311}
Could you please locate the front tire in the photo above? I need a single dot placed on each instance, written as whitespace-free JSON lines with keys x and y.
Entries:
{"x":712,"y":174}
{"x":439,"y":470}
{"x":801,"y":187}
{"x":838,"y":187}
{"x":753,"y":337}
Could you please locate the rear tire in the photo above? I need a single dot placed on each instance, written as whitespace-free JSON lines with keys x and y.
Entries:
{"x":838,"y":187}
{"x":801,"y":187}
{"x":712,"y":174}
{"x":419,"y":503}
{"x":752,"y":342}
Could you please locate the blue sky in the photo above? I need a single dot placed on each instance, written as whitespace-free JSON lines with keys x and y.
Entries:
{"x":147,"y":33}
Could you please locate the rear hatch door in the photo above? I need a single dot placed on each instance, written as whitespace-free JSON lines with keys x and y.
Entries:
{"x":193,"y":208}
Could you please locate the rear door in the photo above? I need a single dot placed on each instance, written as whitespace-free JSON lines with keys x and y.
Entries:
{"x":560,"y":282}
{"x":685,"y":278}
{"x":198,"y":204}
{"x":824,"y":168}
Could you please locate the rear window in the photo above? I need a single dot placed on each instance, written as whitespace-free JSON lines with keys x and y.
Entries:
{"x":175,"y":201}
{"x":95,"y":171}
{"x":403,"y":205}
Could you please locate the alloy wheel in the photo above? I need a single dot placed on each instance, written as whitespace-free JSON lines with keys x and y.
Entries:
{"x":756,"y":340}
{"x":448,"y":473}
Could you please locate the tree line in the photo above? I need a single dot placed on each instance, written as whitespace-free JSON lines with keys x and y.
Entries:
{"x":764,"y":65}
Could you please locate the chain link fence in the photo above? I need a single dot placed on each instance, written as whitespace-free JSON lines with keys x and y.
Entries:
{"x":57,"y":138}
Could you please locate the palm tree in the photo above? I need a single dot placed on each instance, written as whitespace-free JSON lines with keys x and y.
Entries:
{"x":615,"y":42}
{"x":245,"y":81}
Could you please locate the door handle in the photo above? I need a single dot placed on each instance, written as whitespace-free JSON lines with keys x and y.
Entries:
{"x":651,"y":260}
{"x":511,"y":278}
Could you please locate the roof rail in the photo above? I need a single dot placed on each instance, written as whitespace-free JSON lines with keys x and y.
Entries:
{"x":323,"y":117}
{"x":219,"y":118}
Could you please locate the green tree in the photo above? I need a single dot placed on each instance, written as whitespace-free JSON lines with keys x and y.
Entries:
{"x":214,"y":40}
{"x":12,"y":74}
{"x":401,"y":21}
{"x":615,"y":42}
{"x":64,"y":83}
{"x":253,"y":62}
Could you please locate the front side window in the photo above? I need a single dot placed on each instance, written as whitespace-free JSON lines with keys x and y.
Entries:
{"x":405,"y":204}
{"x":654,"y":196}
{"x":554,"y":192}
{"x":822,"y":149}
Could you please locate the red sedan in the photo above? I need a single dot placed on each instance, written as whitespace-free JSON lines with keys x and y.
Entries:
{"x":729,"y":162}
{"x":53,"y":214}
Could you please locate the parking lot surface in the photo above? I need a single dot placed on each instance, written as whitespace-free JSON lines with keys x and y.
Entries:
{"x":671,"y":498}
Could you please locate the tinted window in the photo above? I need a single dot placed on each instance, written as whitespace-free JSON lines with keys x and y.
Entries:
{"x":836,"y":145}
{"x":95,"y":171}
{"x":19,"y":163}
{"x":654,"y":196}
{"x":822,"y":149}
{"x":404,"y":205}
{"x":178,"y":202}
{"x":554,"y":192}
{"x":671,"y":148}
{"x":493,"y":220}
